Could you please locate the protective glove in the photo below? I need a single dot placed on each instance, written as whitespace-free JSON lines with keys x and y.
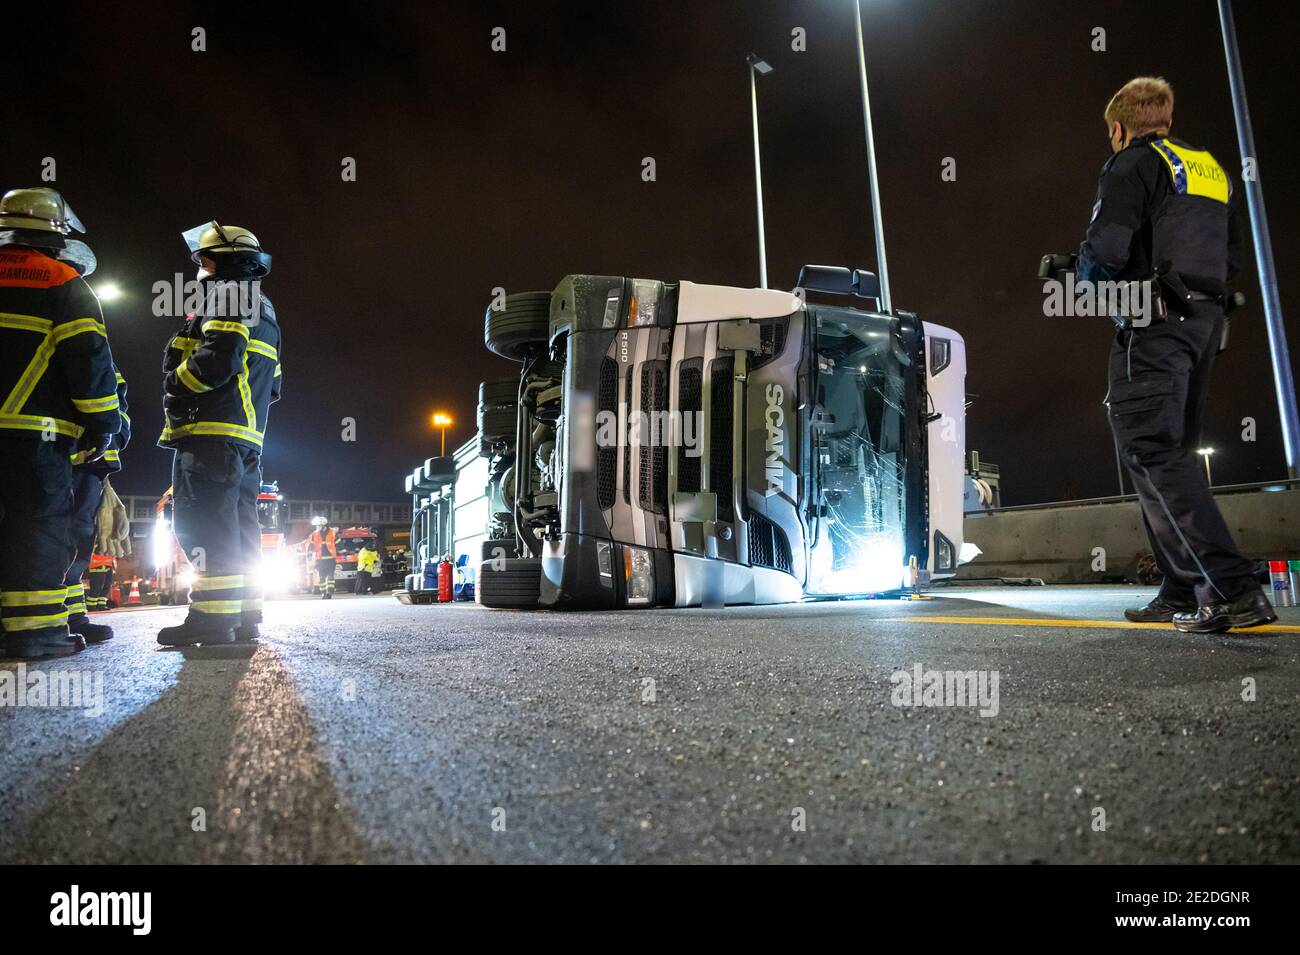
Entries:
{"x":113,"y":536}
{"x":91,"y":448}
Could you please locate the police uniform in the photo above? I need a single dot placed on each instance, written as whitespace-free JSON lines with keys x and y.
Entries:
{"x":87,"y":491}
{"x":1164,"y":206}
{"x":59,"y":394}
{"x":221,"y":375}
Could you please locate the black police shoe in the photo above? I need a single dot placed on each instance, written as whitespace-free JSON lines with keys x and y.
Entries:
{"x":190,"y":633}
{"x":92,"y":632}
{"x":1159,"y":610}
{"x":247,"y":633}
{"x":49,"y":642}
{"x":1248,"y":610}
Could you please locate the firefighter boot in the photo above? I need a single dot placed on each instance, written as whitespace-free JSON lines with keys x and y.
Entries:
{"x":247,"y":633}
{"x":91,"y":632}
{"x":48,"y":642}
{"x":192,"y":632}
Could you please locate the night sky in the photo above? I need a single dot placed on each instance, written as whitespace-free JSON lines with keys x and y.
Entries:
{"x":478,"y":169}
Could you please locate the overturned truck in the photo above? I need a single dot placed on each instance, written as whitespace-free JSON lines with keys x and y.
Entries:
{"x":676,"y":444}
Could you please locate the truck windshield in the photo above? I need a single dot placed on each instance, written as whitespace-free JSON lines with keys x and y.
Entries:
{"x":857,"y":454}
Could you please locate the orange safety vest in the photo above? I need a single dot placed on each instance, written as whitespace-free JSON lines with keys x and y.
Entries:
{"x":323,"y":543}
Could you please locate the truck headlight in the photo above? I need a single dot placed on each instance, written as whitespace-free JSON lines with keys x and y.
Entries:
{"x":639,"y":572}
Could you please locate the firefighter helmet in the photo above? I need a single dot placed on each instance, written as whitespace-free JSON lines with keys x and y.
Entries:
{"x":41,"y":208}
{"x":236,"y":251}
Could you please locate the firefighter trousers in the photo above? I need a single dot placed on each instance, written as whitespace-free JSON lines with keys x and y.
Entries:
{"x":214,"y":496}
{"x":101,"y":585}
{"x":87,"y":489}
{"x":35,"y":539}
{"x":1159,"y":382}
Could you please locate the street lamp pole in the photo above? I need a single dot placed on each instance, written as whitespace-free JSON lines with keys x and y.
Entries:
{"x":441,"y":422}
{"x":882,"y":265}
{"x":756,"y":66}
{"x":1283,"y":383}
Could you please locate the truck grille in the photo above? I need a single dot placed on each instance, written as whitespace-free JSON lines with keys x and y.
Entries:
{"x":721,"y":437}
{"x":771,"y":338}
{"x":627,"y":443}
{"x":768,"y":545}
{"x":606,"y":457}
{"x":690,"y":388}
{"x":652,"y":490}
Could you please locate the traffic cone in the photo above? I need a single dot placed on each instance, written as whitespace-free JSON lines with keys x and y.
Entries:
{"x":134,"y":597}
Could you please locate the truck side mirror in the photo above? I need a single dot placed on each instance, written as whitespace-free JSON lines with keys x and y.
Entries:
{"x":866,"y":284}
{"x":832,"y":279}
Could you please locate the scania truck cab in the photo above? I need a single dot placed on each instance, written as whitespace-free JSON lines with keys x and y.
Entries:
{"x":677,"y":444}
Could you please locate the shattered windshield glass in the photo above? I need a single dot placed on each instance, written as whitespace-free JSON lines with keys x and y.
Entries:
{"x":857,"y":442}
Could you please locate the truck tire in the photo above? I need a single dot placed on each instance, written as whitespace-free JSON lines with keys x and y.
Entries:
{"x":520,"y":327}
{"x":441,"y":470}
{"x":498,"y":403}
{"x":518,"y":584}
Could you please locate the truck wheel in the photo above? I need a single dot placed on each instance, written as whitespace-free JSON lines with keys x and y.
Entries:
{"x":498,"y":403}
{"x":520,"y":327}
{"x":441,"y":470}
{"x":517,"y":584}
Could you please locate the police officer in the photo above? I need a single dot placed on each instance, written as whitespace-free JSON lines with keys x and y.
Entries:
{"x":1163,"y":208}
{"x":367,"y":567}
{"x":59,"y":396}
{"x":222,"y":373}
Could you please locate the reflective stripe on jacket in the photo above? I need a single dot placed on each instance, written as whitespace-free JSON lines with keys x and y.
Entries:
{"x":221,"y":377}
{"x":57,"y":378}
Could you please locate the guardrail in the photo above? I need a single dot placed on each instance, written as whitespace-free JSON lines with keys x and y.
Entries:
{"x":1280,"y":485}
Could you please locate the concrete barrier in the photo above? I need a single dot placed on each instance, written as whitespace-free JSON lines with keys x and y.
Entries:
{"x":1060,"y":543}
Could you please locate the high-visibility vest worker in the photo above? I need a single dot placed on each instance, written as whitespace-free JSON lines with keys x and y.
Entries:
{"x":323,"y":545}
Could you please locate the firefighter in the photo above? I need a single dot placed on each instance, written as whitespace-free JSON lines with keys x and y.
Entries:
{"x":325,"y":553}
{"x":88,"y":482}
{"x":100,"y":574}
{"x":60,"y":400}
{"x":1163,"y":213}
{"x":221,"y":375}
{"x":367,"y":567}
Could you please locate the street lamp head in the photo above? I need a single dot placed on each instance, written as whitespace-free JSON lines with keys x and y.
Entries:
{"x":441,"y":420}
{"x":108,"y":291}
{"x":1205,"y":451}
{"x":758,"y":64}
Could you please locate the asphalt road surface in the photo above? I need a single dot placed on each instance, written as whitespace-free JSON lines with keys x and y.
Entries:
{"x":360,"y":730}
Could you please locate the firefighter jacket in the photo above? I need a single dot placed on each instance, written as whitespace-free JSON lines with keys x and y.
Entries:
{"x":1162,"y":204}
{"x":367,"y":559}
{"x":57,"y":379}
{"x":221,"y":374}
{"x":111,"y":462}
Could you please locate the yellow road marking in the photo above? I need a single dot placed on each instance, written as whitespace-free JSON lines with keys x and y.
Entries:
{"x":1081,"y":624}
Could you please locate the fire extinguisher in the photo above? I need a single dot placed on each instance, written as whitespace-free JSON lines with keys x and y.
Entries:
{"x":444,"y":580}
